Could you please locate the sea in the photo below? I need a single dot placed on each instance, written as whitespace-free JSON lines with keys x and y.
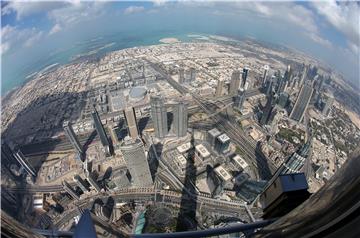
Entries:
{"x":93,"y":47}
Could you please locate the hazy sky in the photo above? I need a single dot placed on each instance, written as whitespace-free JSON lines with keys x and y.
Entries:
{"x":32,"y":31}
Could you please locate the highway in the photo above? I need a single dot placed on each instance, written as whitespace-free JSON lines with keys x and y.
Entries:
{"x":247,"y":145}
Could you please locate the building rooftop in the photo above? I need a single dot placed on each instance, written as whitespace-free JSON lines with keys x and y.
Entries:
{"x":240,"y":161}
{"x":202,"y":150}
{"x":223,"y":174}
{"x":181,"y":160}
{"x":214,"y":132}
{"x":223,"y":138}
{"x":184,"y":147}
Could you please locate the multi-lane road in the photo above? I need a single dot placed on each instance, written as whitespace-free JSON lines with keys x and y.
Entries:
{"x":247,"y":145}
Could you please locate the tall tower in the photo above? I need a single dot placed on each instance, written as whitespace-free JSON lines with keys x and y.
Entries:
{"x":136,"y":161}
{"x":19,"y":156}
{"x":159,"y":115}
{"x":181,"y":75}
{"x":234,"y":82}
{"x":327,"y":107}
{"x":130,"y":117}
{"x":239,"y":99}
{"x":180,"y":119}
{"x":219,"y":88}
{"x":265,"y":75}
{"x":100,"y":130}
{"x":81,"y":183}
{"x":244,"y":76}
{"x":267,"y":110}
{"x":192,"y":74}
{"x":67,"y":187}
{"x":302,"y":102}
{"x":70,"y":134}
{"x":92,"y":180}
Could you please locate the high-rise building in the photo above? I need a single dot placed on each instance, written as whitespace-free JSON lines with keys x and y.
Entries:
{"x":302,"y":102}
{"x":134,"y":155}
{"x":159,"y":116}
{"x":90,"y":177}
{"x":267,"y":111}
{"x":180,"y":119}
{"x":239,"y":99}
{"x":269,"y":87}
{"x":244,"y":76}
{"x":81,"y":183}
{"x":211,"y":136}
{"x":265,"y":75}
{"x":295,"y":163}
{"x":100,"y":130}
{"x":283,"y":99}
{"x":130,"y":117}
{"x":181,"y":75}
{"x":192,"y":74}
{"x":19,"y":156}
{"x":234,"y":82}
{"x":70,"y":134}
{"x":327,"y":107}
{"x":303,"y":76}
{"x":67,"y":187}
{"x":219,"y":88}
{"x":222,"y":143}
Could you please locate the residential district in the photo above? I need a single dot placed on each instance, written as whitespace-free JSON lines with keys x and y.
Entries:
{"x":172,"y":137}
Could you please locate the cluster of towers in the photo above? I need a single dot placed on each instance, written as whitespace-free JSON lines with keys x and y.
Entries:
{"x":277,"y":88}
{"x":160,"y":118}
{"x":191,"y":75}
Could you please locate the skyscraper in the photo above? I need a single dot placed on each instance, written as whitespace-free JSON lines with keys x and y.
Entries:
{"x":180,"y":119}
{"x":192,"y":74}
{"x":67,"y":187}
{"x":100,"y":130}
{"x":234,"y":82}
{"x":70,"y":134}
{"x":19,"y":156}
{"x":283,"y":99}
{"x":327,"y":107}
{"x":159,"y":115}
{"x":267,"y":111}
{"x":130,"y":117}
{"x":219,"y":88}
{"x":91,"y":179}
{"x":81,"y":183}
{"x":136,"y":161}
{"x":211,"y":136}
{"x":265,"y":75}
{"x":181,"y":75}
{"x":302,"y":102}
{"x":244,"y":76}
{"x":239,"y":99}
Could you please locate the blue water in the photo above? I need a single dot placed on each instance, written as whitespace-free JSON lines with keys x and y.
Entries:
{"x":65,"y":56}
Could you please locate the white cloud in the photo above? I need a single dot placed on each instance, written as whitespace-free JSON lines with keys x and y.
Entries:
{"x":345,"y":17}
{"x":133,"y":9}
{"x":33,"y":39}
{"x":318,"y":39}
{"x":12,"y":37}
{"x":24,"y":9}
{"x":4,"y":47}
{"x":56,"y":28}
{"x":76,"y":12}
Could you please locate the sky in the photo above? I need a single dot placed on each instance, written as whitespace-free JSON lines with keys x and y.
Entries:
{"x":35,"y":30}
